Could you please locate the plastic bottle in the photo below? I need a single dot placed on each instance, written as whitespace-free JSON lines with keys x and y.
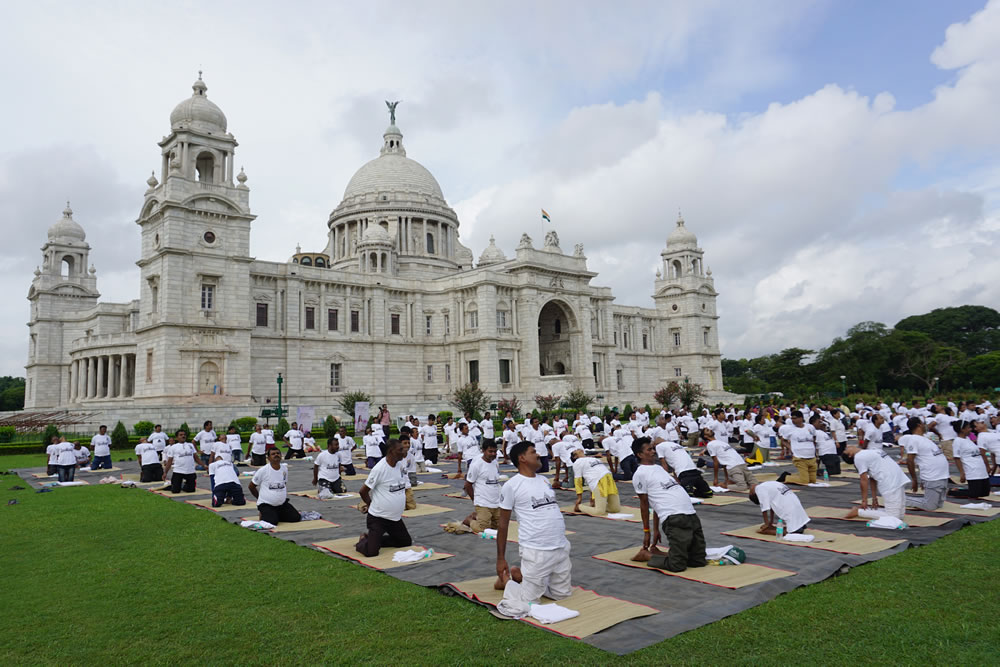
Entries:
{"x":428,"y":553}
{"x":780,"y":529}
{"x":826,"y":475}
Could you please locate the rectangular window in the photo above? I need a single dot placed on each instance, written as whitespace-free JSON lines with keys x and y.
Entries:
{"x":355,"y":321}
{"x":473,"y":319}
{"x":430,"y":243}
{"x":155,"y":293}
{"x":474,"y":371}
{"x":394,"y":324}
{"x":332,"y":317}
{"x":207,"y":297}
{"x":430,"y":373}
{"x":645,"y":341}
{"x":705,"y":337}
{"x":335,"y":377}
{"x":625,"y":339}
{"x":677,"y":338}
{"x":502,"y":319}
{"x":616,"y":337}
{"x":428,"y":324}
{"x":505,"y":371}
{"x":149,"y":365}
{"x":447,"y":372}
{"x":447,"y":325}
{"x":677,"y":372}
{"x":310,"y":317}
{"x":595,"y":371}
{"x":262,"y":314}
{"x":620,"y":376}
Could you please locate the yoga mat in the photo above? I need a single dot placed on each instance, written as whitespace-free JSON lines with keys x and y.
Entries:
{"x":345,"y":547}
{"x":314,"y":524}
{"x":460,"y":496}
{"x":425,"y":510}
{"x":847,"y":544}
{"x":956,"y":508}
{"x":726,"y":576}
{"x":597,"y":612}
{"x":80,"y":471}
{"x":430,"y":486}
{"x":42,"y":475}
{"x":847,"y":474}
{"x":512,"y":531}
{"x":634,"y":511}
{"x":182,"y":494}
{"x":719,"y":500}
{"x":353,"y":477}
{"x":207,"y":504}
{"x":916,"y":520}
{"x":314,"y":495}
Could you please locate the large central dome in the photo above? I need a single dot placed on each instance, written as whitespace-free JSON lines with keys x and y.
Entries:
{"x":392,"y":175}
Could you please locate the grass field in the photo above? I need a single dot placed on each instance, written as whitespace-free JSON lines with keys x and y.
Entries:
{"x":104,"y":574}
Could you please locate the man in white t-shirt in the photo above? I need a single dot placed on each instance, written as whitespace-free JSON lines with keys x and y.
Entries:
{"x":880,"y":474}
{"x":384,"y":496}
{"x":150,"y":469}
{"x":100,"y":444}
{"x":672,"y":509}
{"x":65,"y":461}
{"x":205,"y":439}
{"x":802,"y":439}
{"x":293,"y":437}
{"x":346,"y":451}
{"x":326,"y":471}
{"x":52,"y":451}
{"x":180,"y":465}
{"x":235,"y":444}
{"x":83,"y":457}
{"x":777,"y":501}
{"x":676,"y":460}
{"x":159,"y":440}
{"x":258,"y":447}
{"x":468,"y":448}
{"x":942,"y":426}
{"x":429,"y":436}
{"x":737,"y":476}
{"x":920,"y":450}
{"x":482,"y":485}
{"x":510,"y":438}
{"x":269,"y":486}
{"x":227,"y":487}
{"x":542,"y":544}
{"x":604,"y":498}
{"x":486,"y":425}
{"x":373,"y":447}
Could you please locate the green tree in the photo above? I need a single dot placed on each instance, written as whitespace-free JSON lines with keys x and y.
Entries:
{"x":12,"y":398}
{"x":916,"y":355}
{"x":470,"y":398}
{"x":578,"y":400}
{"x":143,"y":428}
{"x":348,"y":399}
{"x":51,"y":431}
{"x":548,"y":402}
{"x":981,"y":371}
{"x":691,"y":393}
{"x":512,"y":404}
{"x":973,"y":329}
{"x":281,"y":429}
{"x":187,"y":429}
{"x":330,"y":427}
{"x":119,"y":437}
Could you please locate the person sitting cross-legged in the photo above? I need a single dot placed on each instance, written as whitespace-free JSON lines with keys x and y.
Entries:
{"x":227,"y":487}
{"x":482,"y":485}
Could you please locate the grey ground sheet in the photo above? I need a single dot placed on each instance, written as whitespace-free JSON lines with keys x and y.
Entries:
{"x":683,"y":604}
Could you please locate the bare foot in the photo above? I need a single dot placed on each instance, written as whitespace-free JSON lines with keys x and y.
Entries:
{"x":500,"y":583}
{"x":642,"y":556}
{"x":656,"y":550}
{"x":515,"y":573}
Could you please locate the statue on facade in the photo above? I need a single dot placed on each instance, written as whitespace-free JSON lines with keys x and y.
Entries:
{"x":578,"y":250}
{"x":525,"y":242}
{"x":552,"y":240}
{"x":392,"y":110}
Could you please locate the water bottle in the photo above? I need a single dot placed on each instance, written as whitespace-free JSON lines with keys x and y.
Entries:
{"x":780,"y":530}
{"x":826,"y":475}
{"x":428,"y":553}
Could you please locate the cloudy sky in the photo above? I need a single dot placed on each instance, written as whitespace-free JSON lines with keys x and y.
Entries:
{"x":836,"y":159}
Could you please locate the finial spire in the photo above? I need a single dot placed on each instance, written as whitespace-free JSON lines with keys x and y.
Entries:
{"x":68,"y":212}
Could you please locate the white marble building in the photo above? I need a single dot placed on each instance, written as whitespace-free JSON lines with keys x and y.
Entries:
{"x":394,"y":305}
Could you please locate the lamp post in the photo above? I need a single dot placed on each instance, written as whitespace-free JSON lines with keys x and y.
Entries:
{"x":280,"y":380}
{"x":937,"y":385}
{"x":843,"y":383}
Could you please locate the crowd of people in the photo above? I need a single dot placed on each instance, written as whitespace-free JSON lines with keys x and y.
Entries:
{"x":664,"y":456}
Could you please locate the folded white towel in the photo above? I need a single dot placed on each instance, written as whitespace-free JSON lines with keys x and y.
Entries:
{"x":886,"y":521}
{"x":551,"y":613}
{"x":619,"y":515}
{"x":696,"y":501}
{"x":71,"y":483}
{"x":820,"y":484}
{"x":772,"y":464}
{"x":973,"y":506}
{"x":408,"y":556}
{"x":429,"y":469}
{"x":715,"y":553}
{"x":719,"y":489}
{"x":257,"y":525}
{"x":799,"y":537}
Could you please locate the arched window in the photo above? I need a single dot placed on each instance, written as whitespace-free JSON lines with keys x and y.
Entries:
{"x":373,"y":259}
{"x":66,"y":268}
{"x":306,"y":261}
{"x":205,"y":166}
{"x":208,"y":379}
{"x":385,"y":262}
{"x":430,"y":243}
{"x":557,"y":326}
{"x":319,"y":262}
{"x":675,"y":269}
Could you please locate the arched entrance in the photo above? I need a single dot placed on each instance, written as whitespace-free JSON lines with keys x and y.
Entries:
{"x":208,"y":379}
{"x":555,"y":328}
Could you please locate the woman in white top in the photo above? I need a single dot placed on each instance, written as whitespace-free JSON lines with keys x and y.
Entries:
{"x":970,"y":459}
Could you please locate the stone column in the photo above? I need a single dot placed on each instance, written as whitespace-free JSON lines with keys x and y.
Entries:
{"x":92,"y":379}
{"x":122,"y":377}
{"x":99,"y":385}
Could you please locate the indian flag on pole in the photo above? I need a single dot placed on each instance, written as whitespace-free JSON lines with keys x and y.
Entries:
{"x":545,"y":216}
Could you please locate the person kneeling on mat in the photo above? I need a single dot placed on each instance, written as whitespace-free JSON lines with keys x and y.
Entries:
{"x":675,"y":459}
{"x":227,"y":487}
{"x":149,"y":461}
{"x":879,"y":474}
{"x":671,"y":505}
{"x":326,"y":471}
{"x":603,"y":490}
{"x":384,"y":495}
{"x":777,"y":501}
{"x":180,"y":465}
{"x":270,"y":487}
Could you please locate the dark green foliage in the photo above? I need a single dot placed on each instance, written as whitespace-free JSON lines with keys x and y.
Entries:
{"x":51,"y":431}
{"x":281,"y":429}
{"x":187,"y":429}
{"x":7,"y":433}
{"x":119,"y":436}
{"x":330,"y":427}
{"x":143,"y":428}
{"x":244,"y":424}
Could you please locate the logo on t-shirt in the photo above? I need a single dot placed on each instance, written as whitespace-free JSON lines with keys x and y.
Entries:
{"x":537,"y":503}
{"x":492,"y":480}
{"x":782,"y":489}
{"x":669,"y":484}
{"x":275,"y":486}
{"x":396,"y":488}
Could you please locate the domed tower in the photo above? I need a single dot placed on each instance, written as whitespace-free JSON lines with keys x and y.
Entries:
{"x":685,"y":296}
{"x":400,"y":195}
{"x":376,"y":251}
{"x":195,"y":260}
{"x":64,"y":284}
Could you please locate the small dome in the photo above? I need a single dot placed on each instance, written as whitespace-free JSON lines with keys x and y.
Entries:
{"x":67,"y":228}
{"x":198,"y":112}
{"x":492,"y":254}
{"x":681,"y":236}
{"x":375,"y":234}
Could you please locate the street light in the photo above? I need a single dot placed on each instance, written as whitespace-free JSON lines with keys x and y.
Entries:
{"x":280,"y":380}
{"x":937,"y":385}
{"x":843,"y":383}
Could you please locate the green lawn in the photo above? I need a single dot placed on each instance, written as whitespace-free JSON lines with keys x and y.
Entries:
{"x":104,"y":574}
